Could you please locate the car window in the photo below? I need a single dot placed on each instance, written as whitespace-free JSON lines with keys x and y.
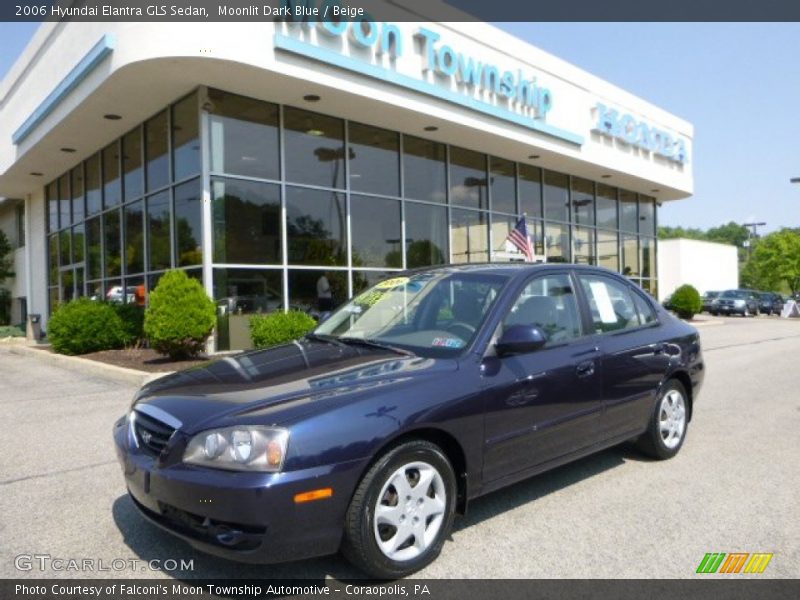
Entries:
{"x":610,"y":304}
{"x":643,"y":309}
{"x":550,"y":303}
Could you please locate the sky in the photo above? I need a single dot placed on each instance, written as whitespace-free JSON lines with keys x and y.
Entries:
{"x":737,"y":83}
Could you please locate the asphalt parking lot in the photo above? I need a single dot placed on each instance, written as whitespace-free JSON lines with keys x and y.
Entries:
{"x":733,"y":487}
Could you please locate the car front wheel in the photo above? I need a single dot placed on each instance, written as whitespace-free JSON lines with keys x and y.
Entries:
{"x":668,"y":423}
{"x":401,"y":512}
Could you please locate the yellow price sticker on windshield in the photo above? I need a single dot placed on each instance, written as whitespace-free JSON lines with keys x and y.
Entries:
{"x":390,"y":283}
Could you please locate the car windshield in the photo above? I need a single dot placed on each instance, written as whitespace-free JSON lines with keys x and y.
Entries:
{"x":712,"y":295}
{"x":734,"y":294}
{"x":432,"y":314}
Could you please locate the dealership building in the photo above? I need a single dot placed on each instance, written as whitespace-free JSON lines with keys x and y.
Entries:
{"x":261,"y":156}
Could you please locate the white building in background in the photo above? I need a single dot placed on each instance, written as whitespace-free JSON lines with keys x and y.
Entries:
{"x":259,"y":155}
{"x":708,"y":266}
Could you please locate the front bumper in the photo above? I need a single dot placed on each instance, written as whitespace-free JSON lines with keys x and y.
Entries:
{"x":248,"y":517}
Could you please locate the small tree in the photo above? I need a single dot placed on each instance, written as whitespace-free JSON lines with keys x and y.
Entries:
{"x":181,"y":316}
{"x":686,"y":301}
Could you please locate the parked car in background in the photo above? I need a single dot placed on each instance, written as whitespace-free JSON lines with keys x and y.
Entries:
{"x":736,"y":302}
{"x":708,"y":301}
{"x":422,"y":393}
{"x":770,"y":303}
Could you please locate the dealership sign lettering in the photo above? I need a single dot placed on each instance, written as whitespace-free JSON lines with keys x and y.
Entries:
{"x":625,"y":128}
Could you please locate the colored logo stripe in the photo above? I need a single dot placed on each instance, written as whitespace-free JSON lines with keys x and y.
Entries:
{"x":713,"y":562}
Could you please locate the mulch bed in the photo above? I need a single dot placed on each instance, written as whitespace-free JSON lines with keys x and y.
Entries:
{"x":143,"y":359}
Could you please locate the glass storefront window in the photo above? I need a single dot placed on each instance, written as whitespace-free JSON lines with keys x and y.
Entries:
{"x":188,"y":224}
{"x":648,"y":247}
{"x":64,"y":201}
{"x":375,"y":230}
{"x":502,"y":180}
{"x":112,"y":245}
{"x":424,"y":170}
{"x":94,"y":249}
{"x":530,"y":191}
{"x":135,"y":291}
{"x":630,"y":256}
{"x":76,"y":192}
{"x":158,"y":239}
{"x":314,"y":146}
{"x":470,"y":235}
{"x":468,"y":183}
{"x":133,"y":173}
{"x":556,"y":237}
{"x":52,"y":207}
{"x":78,"y":239}
{"x":239,"y":294}
{"x":316,"y":227}
{"x":502,"y":226}
{"x":185,"y":139}
{"x":556,"y":196}
{"x":582,"y":201}
{"x":374,"y":159}
{"x":647,"y":215}
{"x":303,"y":286}
{"x":366,"y":279}
{"x":247,"y":222}
{"x":156,"y":151}
{"x":608,"y":249}
{"x":628,"y":217}
{"x":134,"y":237}
{"x":94,"y":197}
{"x":426,"y":235}
{"x":606,"y":206}
{"x":52,"y":253}
{"x":65,"y":247}
{"x":583,"y":251}
{"x":244,"y":136}
{"x":112,"y":188}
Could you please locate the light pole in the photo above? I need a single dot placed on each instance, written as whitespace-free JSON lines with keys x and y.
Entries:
{"x":751,"y":232}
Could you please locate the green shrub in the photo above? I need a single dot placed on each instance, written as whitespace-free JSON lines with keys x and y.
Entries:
{"x":11,"y":331}
{"x":279,"y":327}
{"x":83,"y":326}
{"x":181,"y":316}
{"x":686,"y":302}
{"x":132,"y":316}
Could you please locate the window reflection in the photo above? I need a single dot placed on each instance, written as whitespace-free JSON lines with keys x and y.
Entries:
{"x":647,"y":215}
{"x":628,"y":217}
{"x":502,"y":176}
{"x":648,"y":247}
{"x":470,"y":234}
{"x":556,"y":242}
{"x":556,"y":196}
{"x":188,"y":224}
{"x":93,"y":249}
{"x":583,"y":246}
{"x":239,"y":294}
{"x":155,"y":131}
{"x":112,"y":241}
{"x":424,"y":170}
{"x":244,"y":136}
{"x":52,"y":206}
{"x":94,"y":198}
{"x":375,"y":227}
{"x":316,"y":227}
{"x":530,"y":191}
{"x":304,"y":285}
{"x":468,"y":182}
{"x":134,"y":237}
{"x":76,"y":191}
{"x":582,"y":201}
{"x":185,"y":138}
{"x":314,"y":148}
{"x":630,"y":256}
{"x":246,"y":222}
{"x":64,"y":201}
{"x":158,"y":239}
{"x":374,"y":159}
{"x":426,"y":235}
{"x":112,"y":188}
{"x":606,"y":206}
{"x":607,"y":249}
{"x":132,"y":164}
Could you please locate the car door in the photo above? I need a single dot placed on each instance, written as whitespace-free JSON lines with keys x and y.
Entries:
{"x":634,"y":359}
{"x":545,"y":404}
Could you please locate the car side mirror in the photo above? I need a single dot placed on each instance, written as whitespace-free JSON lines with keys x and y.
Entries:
{"x":519,"y":339}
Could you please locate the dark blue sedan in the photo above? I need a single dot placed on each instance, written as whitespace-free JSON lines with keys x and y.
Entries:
{"x":424,"y":392}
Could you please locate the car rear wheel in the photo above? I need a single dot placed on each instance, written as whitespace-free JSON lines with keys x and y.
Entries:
{"x":401,"y":512}
{"x":668,"y":424}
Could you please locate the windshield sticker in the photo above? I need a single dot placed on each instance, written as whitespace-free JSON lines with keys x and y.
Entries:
{"x":442,"y":342}
{"x":390,"y":283}
{"x":604,"y":305}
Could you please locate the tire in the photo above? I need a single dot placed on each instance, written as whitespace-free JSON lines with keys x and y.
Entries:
{"x":412,"y":535}
{"x":654,"y":442}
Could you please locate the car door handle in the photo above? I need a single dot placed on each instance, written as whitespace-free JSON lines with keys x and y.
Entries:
{"x":585,"y":369}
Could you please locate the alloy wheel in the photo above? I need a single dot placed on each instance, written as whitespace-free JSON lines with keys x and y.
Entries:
{"x":672,"y":418}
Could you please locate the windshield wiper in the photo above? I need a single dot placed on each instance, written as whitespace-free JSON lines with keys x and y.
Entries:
{"x":374,"y":344}
{"x":328,"y":339}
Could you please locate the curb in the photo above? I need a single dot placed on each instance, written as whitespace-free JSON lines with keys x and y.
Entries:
{"x":86,"y":366}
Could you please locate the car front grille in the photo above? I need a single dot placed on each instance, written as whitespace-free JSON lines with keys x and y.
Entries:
{"x":151,"y":434}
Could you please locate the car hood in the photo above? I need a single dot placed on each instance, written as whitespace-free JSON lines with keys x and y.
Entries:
{"x":278,"y":384}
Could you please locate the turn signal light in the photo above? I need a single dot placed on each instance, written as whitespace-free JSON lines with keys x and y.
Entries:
{"x":320,"y":494}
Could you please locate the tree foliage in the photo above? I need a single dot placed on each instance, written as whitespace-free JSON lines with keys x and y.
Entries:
{"x":775,"y":260}
{"x":6,"y":261}
{"x":686,"y":301}
{"x":279,"y":327}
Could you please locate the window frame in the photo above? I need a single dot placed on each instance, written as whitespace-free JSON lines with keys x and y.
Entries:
{"x":589,"y":323}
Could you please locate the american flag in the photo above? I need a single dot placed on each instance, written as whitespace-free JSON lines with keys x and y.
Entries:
{"x":519,"y":237}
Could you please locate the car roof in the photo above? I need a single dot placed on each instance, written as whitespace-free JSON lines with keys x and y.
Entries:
{"x":519,"y":269}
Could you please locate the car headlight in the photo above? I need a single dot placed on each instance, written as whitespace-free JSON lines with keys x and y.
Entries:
{"x":243,"y":448}
{"x":739,"y":302}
